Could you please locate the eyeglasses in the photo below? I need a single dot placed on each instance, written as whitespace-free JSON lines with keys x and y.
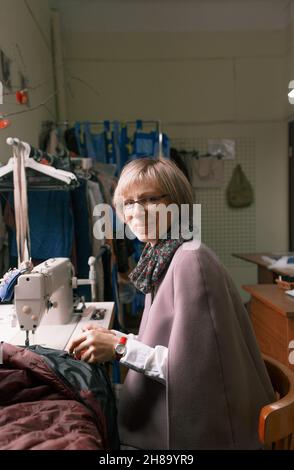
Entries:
{"x":145,"y":202}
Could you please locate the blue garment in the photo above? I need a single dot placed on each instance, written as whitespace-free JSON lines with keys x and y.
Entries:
{"x":8,"y":283}
{"x":81,"y":145}
{"x":96,"y":144}
{"x":147,"y":144}
{"x":51,"y":225}
{"x":124,"y":143}
{"x":143,"y":144}
{"x":116,"y":146}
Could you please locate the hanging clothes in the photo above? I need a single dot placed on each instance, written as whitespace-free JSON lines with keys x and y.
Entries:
{"x":51,"y":225}
{"x":79,"y":199}
{"x":113,"y":145}
{"x":95,"y":144}
{"x":146,"y":144}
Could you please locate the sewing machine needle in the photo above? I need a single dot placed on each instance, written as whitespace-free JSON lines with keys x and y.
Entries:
{"x":27,"y":341}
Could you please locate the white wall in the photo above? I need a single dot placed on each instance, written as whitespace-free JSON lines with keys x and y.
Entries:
{"x":27,"y":24}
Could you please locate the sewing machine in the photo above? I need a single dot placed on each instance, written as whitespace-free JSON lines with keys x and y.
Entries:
{"x":45,"y":291}
{"x":43,"y":302}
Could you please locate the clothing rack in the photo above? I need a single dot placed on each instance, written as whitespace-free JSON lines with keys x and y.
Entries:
{"x":157,"y":123}
{"x":131,"y":122}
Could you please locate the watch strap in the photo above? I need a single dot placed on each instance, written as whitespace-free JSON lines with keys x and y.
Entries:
{"x":122,"y":340}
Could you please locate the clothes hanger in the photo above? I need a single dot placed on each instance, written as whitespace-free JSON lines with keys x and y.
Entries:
{"x":61,"y":175}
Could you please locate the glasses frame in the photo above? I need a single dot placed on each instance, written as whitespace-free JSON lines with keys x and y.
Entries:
{"x":144,"y":202}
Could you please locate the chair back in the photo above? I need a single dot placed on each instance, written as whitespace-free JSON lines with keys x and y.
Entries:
{"x":276,"y":420}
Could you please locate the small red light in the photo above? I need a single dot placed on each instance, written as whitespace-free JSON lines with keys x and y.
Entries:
{"x":4,"y":123}
{"x":22,"y":96}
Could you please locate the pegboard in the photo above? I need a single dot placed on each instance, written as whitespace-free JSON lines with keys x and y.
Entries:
{"x":224,"y":229}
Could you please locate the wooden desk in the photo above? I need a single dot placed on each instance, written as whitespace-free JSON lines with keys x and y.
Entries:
{"x":265,"y":275}
{"x":272,"y":316}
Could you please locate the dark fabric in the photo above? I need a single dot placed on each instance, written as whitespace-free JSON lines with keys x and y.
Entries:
{"x":82,"y":234}
{"x":106,"y":261}
{"x":123,"y":248}
{"x":50,"y":401}
{"x":51,"y":224}
{"x":71,"y":141}
{"x":175,"y":156}
{"x":216,"y":379}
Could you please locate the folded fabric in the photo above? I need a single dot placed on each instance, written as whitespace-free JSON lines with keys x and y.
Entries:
{"x":8,"y":282}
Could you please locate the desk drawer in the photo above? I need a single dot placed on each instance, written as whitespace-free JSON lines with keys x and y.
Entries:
{"x":270,"y":329}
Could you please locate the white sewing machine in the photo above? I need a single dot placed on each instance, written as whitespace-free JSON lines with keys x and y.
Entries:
{"x":44,"y":306}
{"x":45,"y":291}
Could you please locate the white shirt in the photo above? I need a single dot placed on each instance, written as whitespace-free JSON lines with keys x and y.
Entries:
{"x":142,"y":358}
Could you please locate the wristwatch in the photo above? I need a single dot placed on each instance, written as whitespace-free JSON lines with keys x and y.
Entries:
{"x":120,"y":348}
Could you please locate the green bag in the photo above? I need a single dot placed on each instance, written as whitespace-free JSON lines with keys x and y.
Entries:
{"x":239,"y":190}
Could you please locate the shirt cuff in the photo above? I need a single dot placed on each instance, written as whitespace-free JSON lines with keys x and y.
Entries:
{"x":150,"y":361}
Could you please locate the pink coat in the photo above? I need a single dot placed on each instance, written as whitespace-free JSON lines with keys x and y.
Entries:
{"x":217,"y":381}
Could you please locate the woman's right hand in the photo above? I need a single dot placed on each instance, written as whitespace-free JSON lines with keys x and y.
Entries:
{"x":91,"y":326}
{"x":94,"y":345}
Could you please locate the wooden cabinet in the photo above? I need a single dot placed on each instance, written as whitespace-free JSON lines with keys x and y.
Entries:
{"x":272,"y":316}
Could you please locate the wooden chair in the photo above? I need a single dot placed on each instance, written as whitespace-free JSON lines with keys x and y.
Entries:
{"x":276,"y":420}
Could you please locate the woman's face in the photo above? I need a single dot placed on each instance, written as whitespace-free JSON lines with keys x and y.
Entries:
{"x":144,"y":212}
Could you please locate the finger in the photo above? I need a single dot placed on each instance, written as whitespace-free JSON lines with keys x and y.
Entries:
{"x":89,"y":326}
{"x":98,"y":328}
{"x":75,"y":342}
{"x":78,"y":356}
{"x":86,"y":355}
{"x":92,"y":359}
{"x":108,"y":332}
{"x":93,"y":328}
{"x":84,"y":345}
{"x":114,"y":333}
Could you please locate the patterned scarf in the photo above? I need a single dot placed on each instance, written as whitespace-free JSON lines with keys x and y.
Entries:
{"x":153,"y":264}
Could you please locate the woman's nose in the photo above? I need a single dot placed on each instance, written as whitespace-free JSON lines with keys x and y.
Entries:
{"x":138,"y":210}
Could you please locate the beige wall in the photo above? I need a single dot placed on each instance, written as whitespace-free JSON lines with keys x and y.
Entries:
{"x":200,"y":84}
{"x":204,"y":76}
{"x":27,"y":23}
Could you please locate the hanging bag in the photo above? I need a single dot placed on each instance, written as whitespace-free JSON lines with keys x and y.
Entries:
{"x":239,"y":190}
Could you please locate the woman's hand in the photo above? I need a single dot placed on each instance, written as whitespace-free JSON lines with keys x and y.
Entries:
{"x":94,"y":345}
{"x":91,"y":326}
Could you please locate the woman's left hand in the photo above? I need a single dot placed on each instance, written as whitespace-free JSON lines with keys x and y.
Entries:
{"x":94,"y":346}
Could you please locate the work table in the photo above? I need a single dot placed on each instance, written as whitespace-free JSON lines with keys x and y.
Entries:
{"x":53,"y":336}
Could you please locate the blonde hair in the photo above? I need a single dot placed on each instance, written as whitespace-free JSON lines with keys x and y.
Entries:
{"x":160,"y":172}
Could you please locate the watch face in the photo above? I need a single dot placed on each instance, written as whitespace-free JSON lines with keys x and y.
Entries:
{"x":120,"y":349}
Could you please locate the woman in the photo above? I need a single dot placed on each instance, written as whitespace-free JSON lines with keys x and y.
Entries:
{"x":196,"y":378}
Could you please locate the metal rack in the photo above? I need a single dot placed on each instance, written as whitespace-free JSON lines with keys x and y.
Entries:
{"x":156,"y":123}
